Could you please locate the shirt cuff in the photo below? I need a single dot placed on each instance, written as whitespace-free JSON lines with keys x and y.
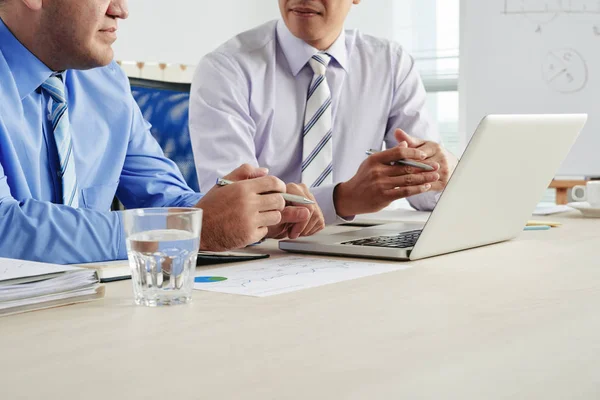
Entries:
{"x":191,"y":200}
{"x":324,"y":197}
{"x":424,"y":201}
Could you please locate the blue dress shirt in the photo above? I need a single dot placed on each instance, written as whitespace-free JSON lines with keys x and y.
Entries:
{"x":114,"y":152}
{"x":249,"y":95}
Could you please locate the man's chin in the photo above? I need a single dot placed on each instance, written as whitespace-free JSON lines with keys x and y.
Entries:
{"x":306,"y":33}
{"x":99,"y":59}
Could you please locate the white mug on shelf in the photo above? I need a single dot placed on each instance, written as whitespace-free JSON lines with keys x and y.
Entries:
{"x":589,"y":193}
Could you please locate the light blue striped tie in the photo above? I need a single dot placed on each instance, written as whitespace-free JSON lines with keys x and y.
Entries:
{"x":317,"y":156}
{"x":59,"y":116}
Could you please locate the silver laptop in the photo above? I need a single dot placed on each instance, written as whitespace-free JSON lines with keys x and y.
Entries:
{"x":499,"y":180}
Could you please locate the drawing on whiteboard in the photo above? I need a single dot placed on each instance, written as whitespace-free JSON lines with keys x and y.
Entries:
{"x":541,"y":12}
{"x":551,"y":7}
{"x":565,"y":71}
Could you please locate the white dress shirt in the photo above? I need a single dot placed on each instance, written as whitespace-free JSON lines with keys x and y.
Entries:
{"x":248,"y":99}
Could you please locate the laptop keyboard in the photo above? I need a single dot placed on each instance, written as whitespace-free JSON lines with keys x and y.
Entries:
{"x":400,"y":241}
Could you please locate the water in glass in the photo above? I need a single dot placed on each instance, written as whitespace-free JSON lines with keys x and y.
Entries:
{"x":162,"y":263}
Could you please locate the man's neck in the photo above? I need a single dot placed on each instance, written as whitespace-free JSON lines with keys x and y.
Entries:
{"x":25,"y":30}
{"x":325,"y":43}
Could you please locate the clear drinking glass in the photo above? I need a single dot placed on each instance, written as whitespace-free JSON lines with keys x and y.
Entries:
{"x":162,"y":246}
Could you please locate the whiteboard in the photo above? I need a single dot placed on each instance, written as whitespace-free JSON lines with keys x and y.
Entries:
{"x":534,"y":56}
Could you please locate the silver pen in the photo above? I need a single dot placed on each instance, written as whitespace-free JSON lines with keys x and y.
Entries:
{"x":292,"y":198}
{"x":415,"y":164}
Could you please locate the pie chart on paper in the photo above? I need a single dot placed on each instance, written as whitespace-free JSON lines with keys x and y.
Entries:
{"x":209,"y":279}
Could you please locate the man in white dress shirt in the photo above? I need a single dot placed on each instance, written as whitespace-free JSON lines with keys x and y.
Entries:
{"x":305,"y":98}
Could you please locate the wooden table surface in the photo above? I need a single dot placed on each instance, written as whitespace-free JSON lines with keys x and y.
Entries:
{"x":517,"y":320}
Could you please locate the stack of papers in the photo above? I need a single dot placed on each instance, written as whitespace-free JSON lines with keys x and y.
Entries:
{"x":26,"y":285}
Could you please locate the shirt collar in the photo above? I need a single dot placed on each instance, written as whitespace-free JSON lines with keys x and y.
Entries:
{"x":27,"y":70}
{"x":298,"y":52}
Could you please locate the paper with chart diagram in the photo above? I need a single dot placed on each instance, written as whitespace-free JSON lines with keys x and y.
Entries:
{"x":286,"y":274}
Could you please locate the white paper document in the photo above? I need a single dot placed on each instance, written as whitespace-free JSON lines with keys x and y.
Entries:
{"x":269,"y":277}
{"x":551,"y":209}
{"x":27,"y":285}
{"x":11,"y":269}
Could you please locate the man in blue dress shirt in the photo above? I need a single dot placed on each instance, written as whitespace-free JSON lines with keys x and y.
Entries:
{"x":71,"y":136}
{"x":306,"y":98}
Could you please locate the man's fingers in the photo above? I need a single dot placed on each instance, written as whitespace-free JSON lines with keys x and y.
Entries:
{"x":269,"y":218}
{"x":271,"y":202}
{"x":431,"y":149}
{"x":298,"y":214}
{"x":265,"y":184}
{"x":406,"y":191}
{"x":400,"y":169}
{"x":293,"y":221}
{"x":398,"y":153}
{"x":278,"y":231}
{"x":259,"y":234}
{"x":315,"y":226}
{"x":315,"y":218}
{"x":294,"y":215}
{"x":438,"y":186}
{"x":428,"y":147}
{"x":298,"y":189}
{"x":246,"y":171}
{"x":413,"y":179}
{"x":310,"y":226}
{"x":412,"y":141}
{"x":297,"y":229}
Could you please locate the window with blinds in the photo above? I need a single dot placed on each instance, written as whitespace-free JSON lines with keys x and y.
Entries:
{"x":429,"y":30}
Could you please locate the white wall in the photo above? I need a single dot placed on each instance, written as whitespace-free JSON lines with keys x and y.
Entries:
{"x":182,"y":31}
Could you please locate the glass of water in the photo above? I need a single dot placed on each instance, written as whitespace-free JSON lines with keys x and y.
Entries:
{"x":162,"y":246}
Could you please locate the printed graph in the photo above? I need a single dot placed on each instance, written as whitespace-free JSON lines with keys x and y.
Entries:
{"x":287,"y":274}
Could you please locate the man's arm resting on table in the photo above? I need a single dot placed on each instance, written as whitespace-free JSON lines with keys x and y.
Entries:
{"x":378,"y":181}
{"x":42,"y":231}
{"x":409,"y":113}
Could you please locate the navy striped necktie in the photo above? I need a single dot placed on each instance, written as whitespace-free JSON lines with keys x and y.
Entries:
{"x":317,"y":156}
